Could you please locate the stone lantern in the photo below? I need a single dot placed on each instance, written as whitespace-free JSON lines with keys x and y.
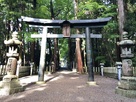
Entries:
{"x":127,"y":84}
{"x":10,"y":83}
{"x":126,"y":55}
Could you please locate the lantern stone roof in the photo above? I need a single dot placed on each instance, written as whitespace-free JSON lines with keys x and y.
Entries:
{"x":14,"y":40}
{"x":126,"y":42}
{"x":100,"y":22}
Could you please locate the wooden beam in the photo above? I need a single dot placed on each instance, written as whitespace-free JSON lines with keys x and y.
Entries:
{"x":40,"y":26}
{"x":95,"y":23}
{"x":61,"y":35}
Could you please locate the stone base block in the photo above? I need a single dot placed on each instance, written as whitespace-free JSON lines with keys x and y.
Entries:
{"x":126,"y":93}
{"x":127,"y":87}
{"x":10,"y":85}
{"x":127,"y":83}
{"x":9,"y":91}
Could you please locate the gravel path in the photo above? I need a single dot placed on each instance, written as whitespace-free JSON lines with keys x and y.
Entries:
{"x":70,"y":87}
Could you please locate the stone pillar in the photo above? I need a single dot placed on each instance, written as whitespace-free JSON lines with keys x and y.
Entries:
{"x":127,"y":84}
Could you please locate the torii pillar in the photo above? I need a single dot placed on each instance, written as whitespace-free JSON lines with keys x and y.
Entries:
{"x":42,"y":56}
{"x":89,"y":58}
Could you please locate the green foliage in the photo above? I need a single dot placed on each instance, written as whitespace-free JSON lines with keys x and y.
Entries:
{"x":90,"y":9}
{"x":110,"y":11}
{"x":100,"y":59}
{"x":130,"y":25}
{"x":64,"y":9}
{"x":63,"y":48}
{"x":27,"y":36}
{"x":42,"y":10}
{"x":111,"y":28}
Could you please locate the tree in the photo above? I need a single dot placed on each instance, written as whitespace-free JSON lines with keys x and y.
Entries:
{"x":121,"y":17}
{"x":78,"y":47}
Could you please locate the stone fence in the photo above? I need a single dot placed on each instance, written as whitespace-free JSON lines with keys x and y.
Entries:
{"x":27,"y":70}
{"x":112,"y":72}
{"x":21,"y":71}
{"x":2,"y":71}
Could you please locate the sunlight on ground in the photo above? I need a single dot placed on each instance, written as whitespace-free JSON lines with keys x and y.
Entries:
{"x":57,"y":78}
{"x":74,"y":78}
{"x":32,"y":79}
{"x":82,"y":86}
{"x":28,"y":92}
{"x":66,"y":72}
{"x":81,"y":99}
{"x":40,"y":89}
{"x":21,"y":96}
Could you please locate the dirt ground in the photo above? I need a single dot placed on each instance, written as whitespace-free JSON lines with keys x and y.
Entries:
{"x":70,"y":87}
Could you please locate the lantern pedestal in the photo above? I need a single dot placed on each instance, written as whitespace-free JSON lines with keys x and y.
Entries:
{"x":10,"y":85}
{"x":127,"y":87}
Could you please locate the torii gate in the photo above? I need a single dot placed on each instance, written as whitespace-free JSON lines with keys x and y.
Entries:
{"x":66,"y":25}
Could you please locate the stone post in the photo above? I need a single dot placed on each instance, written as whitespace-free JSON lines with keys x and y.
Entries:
{"x":101,"y":66}
{"x":119,"y":69}
{"x":32,"y":68}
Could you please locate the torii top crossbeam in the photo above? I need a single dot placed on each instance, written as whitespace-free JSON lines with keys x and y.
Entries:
{"x":93,"y":23}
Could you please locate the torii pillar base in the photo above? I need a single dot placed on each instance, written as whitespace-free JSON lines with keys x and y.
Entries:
{"x":92,"y":83}
{"x":10,"y":85}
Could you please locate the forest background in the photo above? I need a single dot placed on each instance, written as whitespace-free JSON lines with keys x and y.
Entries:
{"x":106,"y":50}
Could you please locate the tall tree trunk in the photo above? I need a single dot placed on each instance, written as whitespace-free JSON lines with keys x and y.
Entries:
{"x":32,"y":44}
{"x":70,"y":54}
{"x":56,"y":55}
{"x":78,"y":56}
{"x":121,"y":16}
{"x":121,"y":21}
{"x":78,"y":47}
{"x":32,"y":51}
{"x":56,"y":61}
{"x":52,"y":11}
{"x":34,"y":4}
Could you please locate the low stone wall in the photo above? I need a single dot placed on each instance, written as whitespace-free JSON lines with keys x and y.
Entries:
{"x":110,"y":72}
{"x":23,"y":71}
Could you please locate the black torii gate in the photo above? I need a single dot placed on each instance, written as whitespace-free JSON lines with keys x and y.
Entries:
{"x":66,"y":25}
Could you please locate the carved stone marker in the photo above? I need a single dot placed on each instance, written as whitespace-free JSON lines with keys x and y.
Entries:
{"x":10,"y":83}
